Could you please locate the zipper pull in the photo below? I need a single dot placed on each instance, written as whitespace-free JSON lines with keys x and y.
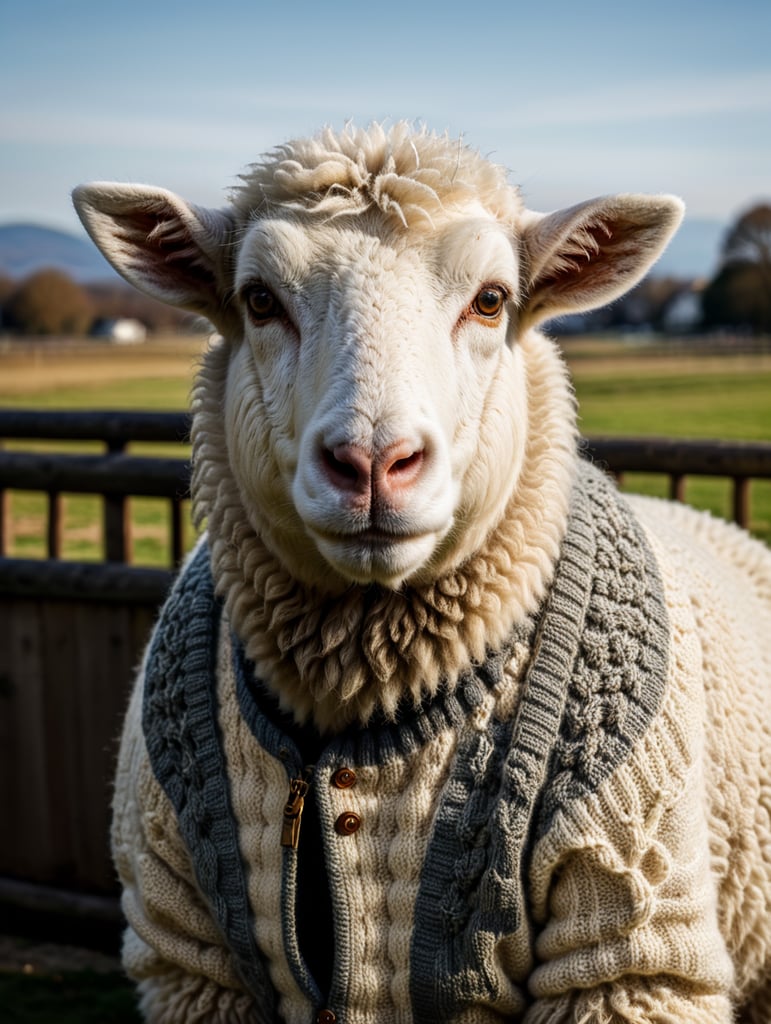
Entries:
{"x":293,"y":809}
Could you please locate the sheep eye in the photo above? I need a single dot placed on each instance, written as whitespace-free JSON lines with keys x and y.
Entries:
{"x":262,"y":304}
{"x":489,"y":303}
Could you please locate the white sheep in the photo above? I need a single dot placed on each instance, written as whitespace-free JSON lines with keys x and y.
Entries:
{"x":435,"y":726}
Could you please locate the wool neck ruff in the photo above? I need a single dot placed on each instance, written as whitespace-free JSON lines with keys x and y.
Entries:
{"x":335,"y":660}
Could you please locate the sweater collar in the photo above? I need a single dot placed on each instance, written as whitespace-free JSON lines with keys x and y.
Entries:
{"x":382,"y":737}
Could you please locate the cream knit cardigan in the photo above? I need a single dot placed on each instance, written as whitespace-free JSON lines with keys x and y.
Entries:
{"x":576,"y":829}
{"x":561,"y":754}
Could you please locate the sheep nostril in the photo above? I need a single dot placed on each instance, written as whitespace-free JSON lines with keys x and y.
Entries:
{"x":399,"y":468}
{"x":348,"y":467}
{"x":339,"y":467}
{"x":408,"y":465}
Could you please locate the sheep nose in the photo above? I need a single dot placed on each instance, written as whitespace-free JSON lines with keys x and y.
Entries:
{"x":382,"y":476}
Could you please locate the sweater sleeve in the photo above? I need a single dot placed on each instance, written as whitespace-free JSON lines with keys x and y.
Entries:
{"x":621,"y":881}
{"x":172,"y":946}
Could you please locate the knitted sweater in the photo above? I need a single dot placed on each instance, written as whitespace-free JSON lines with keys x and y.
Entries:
{"x":572,"y":831}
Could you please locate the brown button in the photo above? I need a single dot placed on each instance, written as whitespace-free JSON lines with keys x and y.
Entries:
{"x":326,"y":1017}
{"x":344,"y":778}
{"x":347,"y":823}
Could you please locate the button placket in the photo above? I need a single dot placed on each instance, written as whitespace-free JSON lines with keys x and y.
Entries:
{"x":348,"y":822}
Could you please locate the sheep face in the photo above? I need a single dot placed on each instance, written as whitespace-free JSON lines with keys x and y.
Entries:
{"x":367,"y":358}
{"x":377,"y":293}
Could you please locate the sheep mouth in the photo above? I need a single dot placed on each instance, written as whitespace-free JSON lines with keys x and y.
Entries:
{"x":375,"y":555}
{"x":372,"y":536}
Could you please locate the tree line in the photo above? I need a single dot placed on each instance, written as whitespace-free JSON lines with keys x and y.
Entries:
{"x":49,"y":302}
{"x":738,"y":296}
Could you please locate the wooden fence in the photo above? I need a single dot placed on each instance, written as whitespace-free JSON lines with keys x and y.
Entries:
{"x":71,"y":637}
{"x":71,"y":634}
{"x":113,"y":473}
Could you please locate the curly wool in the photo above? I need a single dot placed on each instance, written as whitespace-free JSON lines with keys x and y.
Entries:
{"x":410,"y":174}
{"x":338,"y":661}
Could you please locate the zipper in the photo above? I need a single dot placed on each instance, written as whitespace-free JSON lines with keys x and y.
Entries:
{"x":293,"y":808}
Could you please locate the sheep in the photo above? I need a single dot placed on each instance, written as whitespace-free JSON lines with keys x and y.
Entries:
{"x":435,"y":725}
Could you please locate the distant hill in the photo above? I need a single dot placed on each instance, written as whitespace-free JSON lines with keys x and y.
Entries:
{"x":25,"y":248}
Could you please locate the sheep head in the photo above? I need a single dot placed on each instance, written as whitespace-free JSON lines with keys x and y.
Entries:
{"x":374,"y":291}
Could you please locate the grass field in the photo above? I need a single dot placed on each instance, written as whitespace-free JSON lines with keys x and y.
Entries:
{"x":156,"y":375}
{"x":625,"y":393}
{"x":621,"y":391}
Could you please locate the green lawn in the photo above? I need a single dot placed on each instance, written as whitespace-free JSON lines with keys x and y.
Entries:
{"x":163,"y":393}
{"x":620,"y":392}
{"x":725,"y":398}
{"x":730,"y":402}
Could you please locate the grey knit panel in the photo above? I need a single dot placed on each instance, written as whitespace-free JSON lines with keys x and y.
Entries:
{"x":618,"y":679}
{"x":179,"y":719}
{"x":471,"y":893}
{"x":581,"y":708}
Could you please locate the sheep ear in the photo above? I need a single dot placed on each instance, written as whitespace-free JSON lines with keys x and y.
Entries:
{"x":583,"y":257}
{"x":164,"y":246}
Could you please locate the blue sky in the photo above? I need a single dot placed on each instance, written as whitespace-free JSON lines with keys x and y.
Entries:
{"x":576,"y":99}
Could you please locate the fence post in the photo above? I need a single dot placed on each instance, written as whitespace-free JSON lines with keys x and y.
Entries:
{"x":117,"y":539}
{"x":5,"y":517}
{"x":177,"y":549}
{"x":5,"y":522}
{"x":677,"y":486}
{"x":55,"y":530}
{"x":741,"y":502}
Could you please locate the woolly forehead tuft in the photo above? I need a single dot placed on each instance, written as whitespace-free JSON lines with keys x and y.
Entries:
{"x":410,"y":173}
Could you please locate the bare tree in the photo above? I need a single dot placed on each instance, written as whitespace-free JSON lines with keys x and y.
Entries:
{"x":49,"y":302}
{"x":749,"y":240}
{"x":740,"y":293}
{"x":7,"y":287}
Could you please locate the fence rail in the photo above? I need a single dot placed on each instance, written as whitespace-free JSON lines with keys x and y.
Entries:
{"x":738,"y":461}
{"x":117,"y":428}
